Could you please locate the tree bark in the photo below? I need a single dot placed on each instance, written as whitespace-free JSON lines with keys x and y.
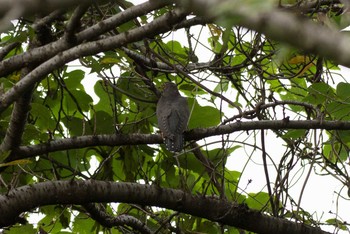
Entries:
{"x":81,"y":192}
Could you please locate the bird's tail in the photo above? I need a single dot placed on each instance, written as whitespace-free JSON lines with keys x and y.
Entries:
{"x":176,"y":144}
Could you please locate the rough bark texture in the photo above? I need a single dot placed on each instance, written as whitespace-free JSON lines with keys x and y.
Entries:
{"x":80,"y":192}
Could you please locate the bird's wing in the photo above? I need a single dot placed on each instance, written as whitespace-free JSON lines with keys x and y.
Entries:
{"x":163,"y":113}
{"x":183,"y":113}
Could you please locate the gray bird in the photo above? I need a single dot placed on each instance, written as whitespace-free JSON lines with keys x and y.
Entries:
{"x":172,"y":115}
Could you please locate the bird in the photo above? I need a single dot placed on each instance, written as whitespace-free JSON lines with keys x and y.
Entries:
{"x":172,"y":115}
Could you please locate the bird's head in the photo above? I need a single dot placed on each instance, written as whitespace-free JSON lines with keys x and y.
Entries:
{"x":170,"y":89}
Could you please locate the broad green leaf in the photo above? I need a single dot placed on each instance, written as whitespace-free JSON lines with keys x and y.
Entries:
{"x":51,"y":222}
{"x":258,"y":201}
{"x":343,"y":91}
{"x":21,"y":229}
{"x":76,"y":126}
{"x":319,"y":93}
{"x":176,"y":48}
{"x":202,"y":116}
{"x":103,"y":123}
{"x":105,"y":100}
{"x":294,"y":134}
{"x":207,"y":227}
{"x":73,"y":79}
{"x":335,"y":152}
{"x":119,"y":174}
{"x":83,"y":224}
{"x":32,"y":134}
{"x":232,"y":230}
{"x":42,"y":117}
{"x":77,"y":99}
{"x":338,"y":110}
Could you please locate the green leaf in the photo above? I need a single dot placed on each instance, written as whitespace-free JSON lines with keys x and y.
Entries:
{"x":294,"y":133}
{"x":27,"y":229}
{"x":215,"y":44}
{"x":338,"y":110}
{"x":75,"y":99}
{"x":103,"y":91}
{"x":319,"y":93}
{"x":110,"y":60}
{"x":50,"y":223}
{"x":202,"y":116}
{"x":257,"y":201}
{"x":75,"y":126}
{"x":33,"y":134}
{"x":343,"y":91}
{"x":176,"y":48}
{"x":171,"y":177}
{"x":337,"y":223}
{"x":207,"y":227}
{"x":134,"y":90}
{"x":221,"y":87}
{"x":42,"y":116}
{"x":335,"y":152}
{"x":104,"y":123}
{"x":73,"y":79}
{"x":83,"y":224}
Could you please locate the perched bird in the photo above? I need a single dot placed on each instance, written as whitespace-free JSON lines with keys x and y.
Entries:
{"x":172,"y":115}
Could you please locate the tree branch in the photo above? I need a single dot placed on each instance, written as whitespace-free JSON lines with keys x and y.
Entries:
{"x":278,"y":25}
{"x":79,"y":192}
{"x":99,"y":214}
{"x":22,"y":108}
{"x":32,"y":7}
{"x":194,"y":134}
{"x":159,"y":25}
{"x":45,"y":52}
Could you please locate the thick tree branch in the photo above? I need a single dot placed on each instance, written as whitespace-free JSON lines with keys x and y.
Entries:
{"x":10,"y":10}
{"x":45,"y":52}
{"x":32,"y":7}
{"x":159,"y":25}
{"x":278,"y":25}
{"x":194,"y":134}
{"x":79,"y":192}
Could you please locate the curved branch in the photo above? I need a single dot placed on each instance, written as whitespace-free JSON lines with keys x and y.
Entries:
{"x":194,"y":134}
{"x":45,"y":52}
{"x":31,"y":7}
{"x":81,"y":192}
{"x":159,"y":25}
{"x":99,"y":214}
